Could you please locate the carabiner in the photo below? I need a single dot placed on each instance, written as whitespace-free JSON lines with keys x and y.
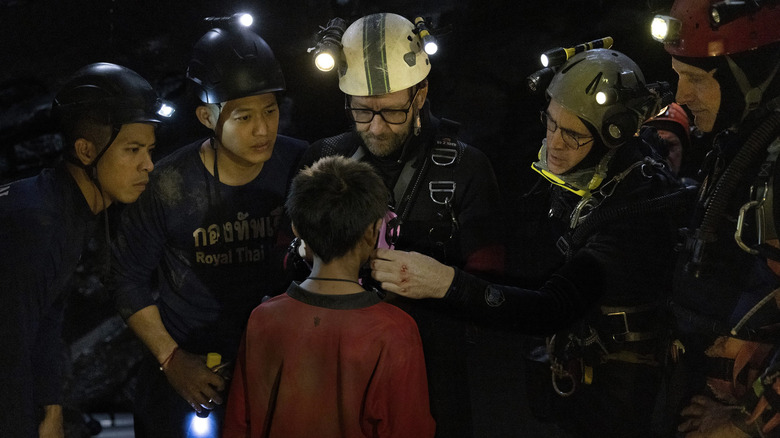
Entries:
{"x":741,"y":218}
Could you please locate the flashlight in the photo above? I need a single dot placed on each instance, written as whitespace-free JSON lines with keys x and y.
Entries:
{"x":557,"y":56}
{"x":327,"y":50}
{"x":165,"y":110}
{"x":539,"y":80}
{"x":607,"y":97}
{"x":202,"y":427}
{"x":428,"y":40}
{"x":725,"y":12}
{"x":212,"y":361}
{"x":241,"y":18}
{"x":665,"y":29}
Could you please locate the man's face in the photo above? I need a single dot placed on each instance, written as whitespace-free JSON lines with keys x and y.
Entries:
{"x":123,"y":171}
{"x":675,"y":149}
{"x":247,"y":129}
{"x":699,"y":91}
{"x":561,"y":155}
{"x":381,"y":138}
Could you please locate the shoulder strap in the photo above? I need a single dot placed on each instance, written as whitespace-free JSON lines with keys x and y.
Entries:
{"x":445,"y":153}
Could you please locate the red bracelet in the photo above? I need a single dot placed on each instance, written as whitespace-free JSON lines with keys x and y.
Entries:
{"x":169,"y":358}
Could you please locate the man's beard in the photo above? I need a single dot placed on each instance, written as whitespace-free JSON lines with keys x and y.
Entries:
{"x":385,"y":144}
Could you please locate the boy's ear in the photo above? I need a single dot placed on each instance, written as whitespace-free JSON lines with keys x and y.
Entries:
{"x":85,"y":151}
{"x":206,"y":116}
{"x":372,"y":232}
{"x":294,"y":230}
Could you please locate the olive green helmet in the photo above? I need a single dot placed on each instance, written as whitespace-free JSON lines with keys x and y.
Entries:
{"x":624,"y":101}
{"x":382,"y":55}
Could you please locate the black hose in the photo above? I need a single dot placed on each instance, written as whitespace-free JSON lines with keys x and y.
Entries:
{"x":678,"y":199}
{"x":752,"y":151}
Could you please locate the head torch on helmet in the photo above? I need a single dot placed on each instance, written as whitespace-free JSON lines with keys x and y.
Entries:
{"x":703,"y":28}
{"x":377,"y":54}
{"x":327,"y":50}
{"x":239,"y":18}
{"x":111,"y":94}
{"x":552,"y":59}
{"x":231,"y":61}
{"x":428,"y":40}
{"x":603,"y":87}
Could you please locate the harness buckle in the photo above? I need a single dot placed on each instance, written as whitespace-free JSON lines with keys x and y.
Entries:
{"x":437,"y":187}
{"x":444,"y":156}
{"x":620,"y":337}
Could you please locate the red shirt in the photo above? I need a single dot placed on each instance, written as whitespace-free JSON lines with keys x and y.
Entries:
{"x":329,"y":366}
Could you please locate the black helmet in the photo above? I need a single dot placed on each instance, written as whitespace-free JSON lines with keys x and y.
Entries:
{"x":229,"y":64}
{"x":109,"y":94}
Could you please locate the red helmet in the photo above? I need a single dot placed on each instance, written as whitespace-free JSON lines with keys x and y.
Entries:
{"x":674,"y":114}
{"x":737,"y":28}
{"x":674,"y":119}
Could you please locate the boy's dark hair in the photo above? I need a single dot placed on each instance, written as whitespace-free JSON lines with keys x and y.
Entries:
{"x":332,"y":203}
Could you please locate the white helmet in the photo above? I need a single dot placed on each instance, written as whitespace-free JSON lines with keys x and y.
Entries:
{"x":382,"y":55}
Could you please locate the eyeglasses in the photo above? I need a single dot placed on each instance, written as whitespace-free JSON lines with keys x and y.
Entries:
{"x":391,"y":116}
{"x":571,"y":139}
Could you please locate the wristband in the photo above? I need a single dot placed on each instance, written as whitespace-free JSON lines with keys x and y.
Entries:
{"x":169,"y":358}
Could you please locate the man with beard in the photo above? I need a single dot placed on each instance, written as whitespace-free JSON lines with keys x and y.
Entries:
{"x":613,"y":205}
{"x":444,"y":192}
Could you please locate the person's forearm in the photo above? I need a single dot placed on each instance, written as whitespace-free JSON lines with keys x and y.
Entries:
{"x":148,"y":326}
{"x":562,"y":300}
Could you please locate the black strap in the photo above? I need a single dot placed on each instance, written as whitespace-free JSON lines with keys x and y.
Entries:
{"x":446,"y":152}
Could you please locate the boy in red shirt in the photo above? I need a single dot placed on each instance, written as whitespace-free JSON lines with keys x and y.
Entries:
{"x":328,"y":358}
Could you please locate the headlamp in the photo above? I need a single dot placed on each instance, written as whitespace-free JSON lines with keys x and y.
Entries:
{"x":428,"y":40}
{"x":327,"y":50}
{"x":539,"y":80}
{"x":665,"y":29}
{"x":607,"y":97}
{"x":727,"y":11}
{"x":556,"y":57}
{"x":165,"y":110}
{"x":241,"y":18}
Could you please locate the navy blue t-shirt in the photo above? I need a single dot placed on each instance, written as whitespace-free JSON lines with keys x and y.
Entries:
{"x":205,"y":252}
{"x":45,"y":223}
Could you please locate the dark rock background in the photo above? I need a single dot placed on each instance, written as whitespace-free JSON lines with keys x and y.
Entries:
{"x":478,"y":78}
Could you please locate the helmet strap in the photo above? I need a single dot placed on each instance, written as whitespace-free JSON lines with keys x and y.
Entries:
{"x":213,"y":144}
{"x":752,"y":95}
{"x":91,"y":168}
